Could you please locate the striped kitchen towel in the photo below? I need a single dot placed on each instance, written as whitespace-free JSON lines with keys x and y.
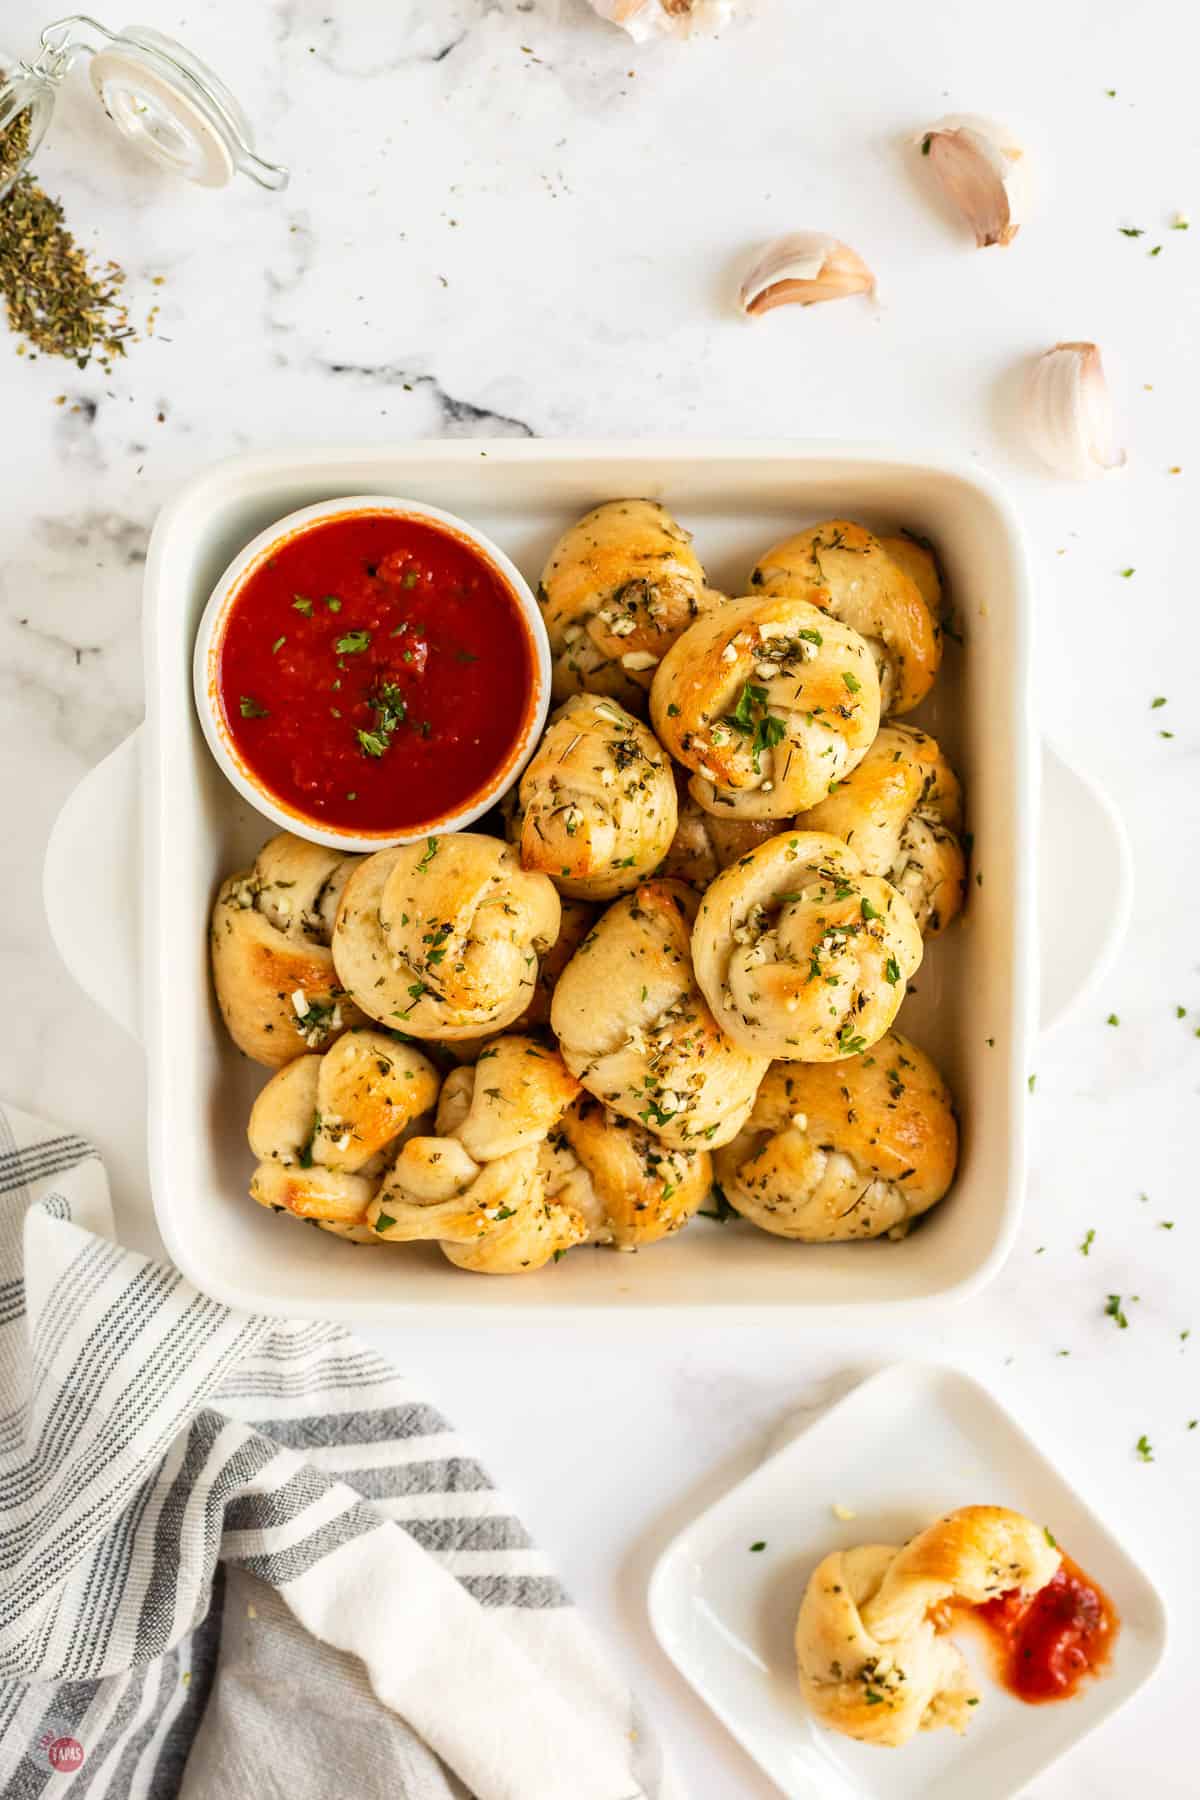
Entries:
{"x":240,"y":1556}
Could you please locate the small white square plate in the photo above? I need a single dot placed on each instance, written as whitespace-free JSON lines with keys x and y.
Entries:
{"x":911,"y":1443}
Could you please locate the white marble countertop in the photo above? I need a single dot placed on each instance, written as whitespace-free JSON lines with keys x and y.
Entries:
{"x":505,"y":218}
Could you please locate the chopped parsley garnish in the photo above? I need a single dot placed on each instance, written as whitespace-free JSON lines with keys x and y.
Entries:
{"x":1050,"y":1537}
{"x":1032,"y":1083}
{"x":431,"y":850}
{"x":1143,"y":1448}
{"x":333,"y":603}
{"x":353,"y":643}
{"x":1159,"y":700}
{"x":851,"y":681}
{"x":277,"y":646}
{"x":384,"y":1221}
{"x":1126,"y":573}
{"x":753,"y":718}
{"x":1089,"y":1238}
{"x":251,"y":709}
{"x":848,"y":1043}
{"x":1112,"y":1019}
{"x":1113,"y":1310}
{"x":721,"y":1211}
{"x":760,"y":1545}
{"x":302,"y":605}
{"x":868,"y":911}
{"x":371,"y":743}
{"x":892,"y":970}
{"x":1131,"y":230}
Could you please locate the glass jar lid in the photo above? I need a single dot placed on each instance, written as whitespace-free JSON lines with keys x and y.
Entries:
{"x":163,"y":100}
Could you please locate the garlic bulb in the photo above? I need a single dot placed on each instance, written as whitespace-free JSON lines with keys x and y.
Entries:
{"x":802,"y":269}
{"x":646,"y":19}
{"x":1068,"y":412}
{"x":983,"y":171}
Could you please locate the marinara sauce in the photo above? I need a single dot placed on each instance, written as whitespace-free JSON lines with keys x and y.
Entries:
{"x":375,"y":673}
{"x":1046,"y":1644}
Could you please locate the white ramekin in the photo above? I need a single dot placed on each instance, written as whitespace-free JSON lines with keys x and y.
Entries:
{"x":206,"y":660}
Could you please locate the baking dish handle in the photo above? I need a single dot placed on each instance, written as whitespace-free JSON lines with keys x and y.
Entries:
{"x":92,"y":880}
{"x":92,"y":885}
{"x":1080,"y":831}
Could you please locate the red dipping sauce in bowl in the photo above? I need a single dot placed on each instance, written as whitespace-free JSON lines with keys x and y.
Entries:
{"x":368,"y":670}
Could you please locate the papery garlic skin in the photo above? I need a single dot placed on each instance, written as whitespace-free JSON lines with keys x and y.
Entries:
{"x":1068,"y":412}
{"x":802,"y":269}
{"x":647,"y":19}
{"x":983,"y":169}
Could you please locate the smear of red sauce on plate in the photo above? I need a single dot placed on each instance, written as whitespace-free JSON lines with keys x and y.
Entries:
{"x":1046,"y":1644}
{"x":375,"y":673}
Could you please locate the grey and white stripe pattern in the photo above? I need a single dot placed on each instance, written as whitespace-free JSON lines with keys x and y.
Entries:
{"x":150,"y":1438}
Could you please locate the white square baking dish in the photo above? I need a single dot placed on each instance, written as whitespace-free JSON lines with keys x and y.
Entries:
{"x":972,"y":1008}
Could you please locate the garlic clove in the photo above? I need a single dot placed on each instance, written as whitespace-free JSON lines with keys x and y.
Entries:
{"x":1068,"y":412}
{"x":802,"y":269}
{"x":648,"y":19}
{"x":983,"y":170}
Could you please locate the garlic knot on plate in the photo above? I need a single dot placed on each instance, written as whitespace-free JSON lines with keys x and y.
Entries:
{"x":632,"y":1024}
{"x":848,"y":573}
{"x":767,"y":700}
{"x":441,"y":938}
{"x":276,"y":986}
{"x":618,"y":588}
{"x":870,"y":1660}
{"x":476,"y":1187}
{"x":325,"y":1127}
{"x":630,"y":1187}
{"x":596,"y":808}
{"x":802,"y":956}
{"x":852,"y":1149}
{"x":900,"y":811}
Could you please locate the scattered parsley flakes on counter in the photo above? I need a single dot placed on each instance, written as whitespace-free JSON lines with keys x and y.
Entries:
{"x":1131,"y":230}
{"x":1157,"y":251}
{"x":1166,"y":734}
{"x":1166,"y":1224}
{"x":1143,"y":1448}
{"x":1126,"y":573}
{"x":1180,"y":222}
{"x":760,"y":1545}
{"x":1089,"y":1238}
{"x":1032,"y":1083}
{"x":1113,"y":1310}
{"x":1181,"y":1012}
{"x":1158,"y":700}
{"x":1112,"y":1019}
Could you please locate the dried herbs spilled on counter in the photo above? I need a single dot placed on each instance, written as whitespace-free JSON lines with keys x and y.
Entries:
{"x":57,"y":302}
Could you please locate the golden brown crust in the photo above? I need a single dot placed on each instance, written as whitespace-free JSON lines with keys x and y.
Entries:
{"x":845,"y":570}
{"x":276,"y":985}
{"x":441,"y":938}
{"x":703,"y":845}
{"x":767,"y":700}
{"x":631,"y":1188}
{"x":324,"y":1127}
{"x":618,"y":588}
{"x":476,"y":1188}
{"x":596,"y":806}
{"x":869,"y":1659}
{"x":844,"y":1150}
{"x":800,"y":955}
{"x":633,"y":1026}
{"x":900,"y":811}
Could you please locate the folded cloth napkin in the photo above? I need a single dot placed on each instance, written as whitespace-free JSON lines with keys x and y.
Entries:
{"x":239,"y":1556}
